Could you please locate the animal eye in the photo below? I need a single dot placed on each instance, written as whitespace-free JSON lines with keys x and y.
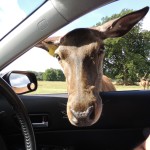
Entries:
{"x":57,"y":56}
{"x":101,"y":51}
{"x":102,"y":48}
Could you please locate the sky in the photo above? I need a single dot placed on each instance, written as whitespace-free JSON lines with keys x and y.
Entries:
{"x":17,"y":10}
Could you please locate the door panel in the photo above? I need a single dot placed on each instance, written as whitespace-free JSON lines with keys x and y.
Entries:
{"x":124,"y":122}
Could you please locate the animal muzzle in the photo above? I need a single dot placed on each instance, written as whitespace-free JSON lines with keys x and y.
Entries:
{"x":81,"y":118}
{"x":84,"y":117}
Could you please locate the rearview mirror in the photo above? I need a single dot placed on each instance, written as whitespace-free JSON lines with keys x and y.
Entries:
{"x":21,"y":81}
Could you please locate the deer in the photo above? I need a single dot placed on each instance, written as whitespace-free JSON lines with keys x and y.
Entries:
{"x":144,"y":83}
{"x":80,"y":53}
{"x":147,"y":84}
{"x":144,"y":80}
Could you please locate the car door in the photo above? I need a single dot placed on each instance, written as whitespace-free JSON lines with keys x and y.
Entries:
{"x":124,"y":122}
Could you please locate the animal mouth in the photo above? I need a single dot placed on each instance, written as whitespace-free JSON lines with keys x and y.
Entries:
{"x":83,"y":118}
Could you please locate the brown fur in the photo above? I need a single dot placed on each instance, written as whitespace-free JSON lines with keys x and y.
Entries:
{"x":81,"y":53}
{"x":107,"y":84}
{"x":144,"y":83}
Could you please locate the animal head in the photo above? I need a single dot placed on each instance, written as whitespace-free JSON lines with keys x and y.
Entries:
{"x":80,"y":53}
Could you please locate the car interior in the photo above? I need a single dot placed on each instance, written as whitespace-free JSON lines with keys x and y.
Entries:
{"x":37,"y":121}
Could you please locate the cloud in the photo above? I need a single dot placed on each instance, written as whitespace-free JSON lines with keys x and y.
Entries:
{"x":9,"y":19}
{"x":18,"y":80}
{"x":36,"y":59}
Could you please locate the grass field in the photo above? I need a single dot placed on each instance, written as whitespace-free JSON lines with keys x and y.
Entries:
{"x":48,"y":87}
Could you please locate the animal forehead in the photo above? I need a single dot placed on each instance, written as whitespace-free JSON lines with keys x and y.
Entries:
{"x":80,"y":37}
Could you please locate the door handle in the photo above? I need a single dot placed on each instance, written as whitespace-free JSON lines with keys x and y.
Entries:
{"x":39,"y":120}
{"x":42,"y":124}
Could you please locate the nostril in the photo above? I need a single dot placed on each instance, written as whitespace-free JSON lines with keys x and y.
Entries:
{"x":83,"y":114}
{"x":90,"y":110}
{"x":91,"y":115}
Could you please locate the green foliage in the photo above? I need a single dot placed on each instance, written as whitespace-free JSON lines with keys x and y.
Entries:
{"x":53,"y":75}
{"x":114,"y":16}
{"x":60,"y":76}
{"x":39,"y":75}
{"x":127,"y":58}
{"x":50,"y":75}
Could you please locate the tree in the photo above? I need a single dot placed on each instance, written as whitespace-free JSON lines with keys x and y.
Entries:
{"x":39,"y":76}
{"x":49,"y":75}
{"x":60,"y":76}
{"x":129,"y":55}
{"x":53,"y":75}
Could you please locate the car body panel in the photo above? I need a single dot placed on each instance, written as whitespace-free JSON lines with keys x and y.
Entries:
{"x":124,"y":121}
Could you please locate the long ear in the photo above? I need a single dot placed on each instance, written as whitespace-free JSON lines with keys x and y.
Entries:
{"x":49,"y":44}
{"x":119,"y":27}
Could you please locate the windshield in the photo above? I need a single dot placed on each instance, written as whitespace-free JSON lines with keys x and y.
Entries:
{"x":12,"y":12}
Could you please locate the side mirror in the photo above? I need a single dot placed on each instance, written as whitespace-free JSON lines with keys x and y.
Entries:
{"x":21,"y":81}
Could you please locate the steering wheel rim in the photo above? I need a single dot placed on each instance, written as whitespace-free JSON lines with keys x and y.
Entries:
{"x":21,"y":113}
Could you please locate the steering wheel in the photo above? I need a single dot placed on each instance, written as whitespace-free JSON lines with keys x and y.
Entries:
{"x":21,"y":113}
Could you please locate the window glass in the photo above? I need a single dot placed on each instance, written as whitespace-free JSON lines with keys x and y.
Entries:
{"x":12,"y":12}
{"x":126,"y":60}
